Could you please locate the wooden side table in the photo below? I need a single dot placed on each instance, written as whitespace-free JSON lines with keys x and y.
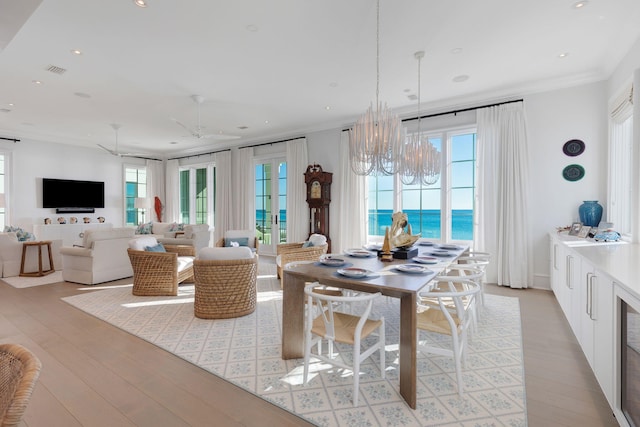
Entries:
{"x":39,"y":245}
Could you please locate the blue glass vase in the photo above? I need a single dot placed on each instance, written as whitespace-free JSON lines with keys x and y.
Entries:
{"x":590,"y":213}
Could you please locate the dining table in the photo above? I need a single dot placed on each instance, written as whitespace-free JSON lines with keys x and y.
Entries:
{"x":389,"y":278}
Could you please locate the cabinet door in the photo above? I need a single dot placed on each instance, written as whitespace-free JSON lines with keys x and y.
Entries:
{"x":573,"y":285}
{"x":587,"y":286}
{"x":603,"y":332}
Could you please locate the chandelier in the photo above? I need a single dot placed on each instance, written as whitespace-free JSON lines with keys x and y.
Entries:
{"x":376,"y":140}
{"x":421,"y":160}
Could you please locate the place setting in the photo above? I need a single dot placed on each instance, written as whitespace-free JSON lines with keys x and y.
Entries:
{"x":332,"y":261}
{"x":359,"y":253}
{"x":412,"y":269}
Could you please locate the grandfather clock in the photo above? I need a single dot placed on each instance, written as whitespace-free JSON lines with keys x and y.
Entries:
{"x":318,"y":198}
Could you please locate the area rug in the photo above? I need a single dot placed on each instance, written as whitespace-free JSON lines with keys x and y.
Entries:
{"x":28,"y":282}
{"x":246,"y":352}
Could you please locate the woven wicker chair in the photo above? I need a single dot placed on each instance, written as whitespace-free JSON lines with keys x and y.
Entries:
{"x":290,"y":252}
{"x":252,"y":240}
{"x":225,"y":287}
{"x":19,"y":371}
{"x":160,"y":273}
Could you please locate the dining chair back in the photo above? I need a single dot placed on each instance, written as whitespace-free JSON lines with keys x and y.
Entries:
{"x":335,"y":327}
{"x":451,"y":315}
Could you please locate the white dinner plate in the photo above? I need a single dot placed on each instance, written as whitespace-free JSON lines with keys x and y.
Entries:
{"x":332,"y":261}
{"x":425,"y":243}
{"x":426,"y":259}
{"x":412,"y":268}
{"x":354,"y":272}
{"x":441,"y":253}
{"x":450,"y":247}
{"x":360,"y":253}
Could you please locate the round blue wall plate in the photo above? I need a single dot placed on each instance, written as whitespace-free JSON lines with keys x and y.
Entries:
{"x":573,"y":173}
{"x":573,"y":147}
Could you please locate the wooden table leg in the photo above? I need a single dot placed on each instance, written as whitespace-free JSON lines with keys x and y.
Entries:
{"x":292,"y":317}
{"x":408,"y":349}
{"x":24,"y":253}
{"x":51,"y":266}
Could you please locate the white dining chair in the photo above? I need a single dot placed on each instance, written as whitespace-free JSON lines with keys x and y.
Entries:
{"x":450,"y":315}
{"x":337,"y":327}
{"x":479,"y":260}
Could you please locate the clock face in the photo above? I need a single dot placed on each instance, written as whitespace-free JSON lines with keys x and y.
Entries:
{"x":316,"y":190}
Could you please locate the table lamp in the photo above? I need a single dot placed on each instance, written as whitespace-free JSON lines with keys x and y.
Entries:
{"x":140,"y":203}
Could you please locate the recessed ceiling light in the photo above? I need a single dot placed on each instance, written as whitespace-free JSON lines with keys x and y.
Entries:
{"x":252,"y":28}
{"x":141,"y":3}
{"x":461,"y":78}
{"x":36,"y":82}
{"x":333,"y":84}
{"x":82,"y":95}
{"x":243,"y":127}
{"x":266,"y":122}
{"x":580,"y":4}
{"x":563,"y":55}
{"x":328,"y":107}
{"x":173,"y":142}
{"x":11,"y":104}
{"x":456,"y":50}
{"x":76,"y":51}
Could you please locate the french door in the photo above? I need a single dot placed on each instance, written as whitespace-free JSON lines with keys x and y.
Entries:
{"x":271,"y":203}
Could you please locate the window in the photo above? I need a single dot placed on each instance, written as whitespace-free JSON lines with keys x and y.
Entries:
{"x":443,"y":210}
{"x":135,"y":186}
{"x":197,"y":184}
{"x":620,"y":163}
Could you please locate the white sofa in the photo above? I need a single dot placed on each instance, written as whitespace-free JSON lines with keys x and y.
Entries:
{"x":103,"y":257}
{"x":11,"y":256}
{"x":196,"y":235}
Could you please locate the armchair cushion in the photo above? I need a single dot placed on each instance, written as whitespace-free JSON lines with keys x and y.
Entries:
{"x":240,"y":252}
{"x":140,"y":243}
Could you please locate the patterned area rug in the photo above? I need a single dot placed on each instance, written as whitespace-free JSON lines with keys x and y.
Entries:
{"x":28,"y":282}
{"x":246,"y":351}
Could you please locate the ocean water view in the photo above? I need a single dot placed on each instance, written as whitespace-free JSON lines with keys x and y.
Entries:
{"x":426,"y":222}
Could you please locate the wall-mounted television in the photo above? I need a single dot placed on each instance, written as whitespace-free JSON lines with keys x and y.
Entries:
{"x":72,"y":194}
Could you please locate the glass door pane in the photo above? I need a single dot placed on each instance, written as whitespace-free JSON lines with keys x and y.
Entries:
{"x":271,"y":204}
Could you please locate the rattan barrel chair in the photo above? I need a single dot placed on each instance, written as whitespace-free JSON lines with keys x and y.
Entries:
{"x":159,"y":273}
{"x":225,"y":282}
{"x":19,"y":372}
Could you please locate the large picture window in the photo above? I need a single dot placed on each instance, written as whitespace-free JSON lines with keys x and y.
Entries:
{"x":441,"y":211}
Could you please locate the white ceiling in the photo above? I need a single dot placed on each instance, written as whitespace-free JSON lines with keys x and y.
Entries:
{"x":281,"y":61}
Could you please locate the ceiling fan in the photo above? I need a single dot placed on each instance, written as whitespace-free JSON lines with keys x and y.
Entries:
{"x":117,"y":152}
{"x":198,"y":131}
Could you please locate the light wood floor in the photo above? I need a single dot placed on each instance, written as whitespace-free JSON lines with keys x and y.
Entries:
{"x":97,"y":375}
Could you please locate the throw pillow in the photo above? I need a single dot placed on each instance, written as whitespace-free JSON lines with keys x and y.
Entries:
{"x":22,"y":236}
{"x":176,"y":227}
{"x":144,"y":228}
{"x":157,"y":248}
{"x":241,"y":241}
{"x":307,"y":244}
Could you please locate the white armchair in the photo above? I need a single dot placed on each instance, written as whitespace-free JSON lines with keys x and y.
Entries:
{"x":196,"y":235}
{"x":103,"y":257}
{"x":11,"y":256}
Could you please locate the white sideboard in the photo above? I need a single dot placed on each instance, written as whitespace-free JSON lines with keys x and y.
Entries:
{"x":590,"y":279}
{"x":70,"y":234}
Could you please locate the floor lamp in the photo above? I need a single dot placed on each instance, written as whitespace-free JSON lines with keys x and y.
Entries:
{"x":140,"y":203}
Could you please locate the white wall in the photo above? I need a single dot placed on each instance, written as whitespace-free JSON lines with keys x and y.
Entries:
{"x":30,"y":161}
{"x":553,"y":118}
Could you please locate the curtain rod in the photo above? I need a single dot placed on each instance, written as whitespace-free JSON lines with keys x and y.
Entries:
{"x":271,"y":143}
{"x":10,"y":139}
{"x":462,"y":110}
{"x":198,"y":155}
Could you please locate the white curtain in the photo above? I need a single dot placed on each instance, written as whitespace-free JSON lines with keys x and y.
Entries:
{"x":502,"y":223}
{"x":351,"y":206}
{"x":243,"y":190}
{"x":155,"y":187}
{"x":224,"y":198}
{"x":172,"y":192}
{"x":297,"y":212}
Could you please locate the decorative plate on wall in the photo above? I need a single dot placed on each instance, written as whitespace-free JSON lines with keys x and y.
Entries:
{"x":573,"y":173}
{"x":573,"y":147}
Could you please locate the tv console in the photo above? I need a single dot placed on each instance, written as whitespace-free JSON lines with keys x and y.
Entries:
{"x":70,"y":234}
